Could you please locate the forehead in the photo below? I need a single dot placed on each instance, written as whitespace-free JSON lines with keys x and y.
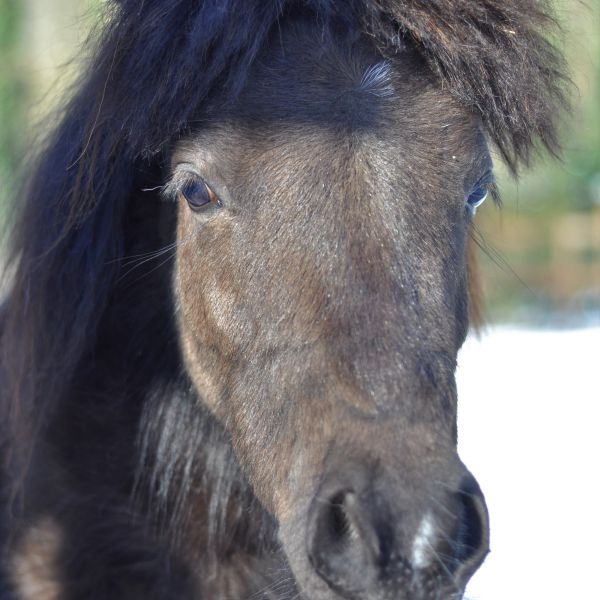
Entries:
{"x":314,"y":87}
{"x":308,"y":74}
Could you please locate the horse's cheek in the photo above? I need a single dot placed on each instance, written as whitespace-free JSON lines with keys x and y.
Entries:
{"x":198,"y":362}
{"x":205,"y":311}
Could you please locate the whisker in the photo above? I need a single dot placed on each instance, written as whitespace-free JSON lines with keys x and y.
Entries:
{"x":442,"y":564}
{"x":456,"y":544}
{"x":147,"y":255}
{"x":454,"y":490}
{"x":153,"y":189}
{"x":164,"y":262}
{"x":142,"y":259}
{"x":497,"y":258}
{"x":142,"y":262}
{"x":272,"y":587}
{"x":443,"y":507}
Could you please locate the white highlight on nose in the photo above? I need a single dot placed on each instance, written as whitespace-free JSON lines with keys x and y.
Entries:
{"x":423,"y":542}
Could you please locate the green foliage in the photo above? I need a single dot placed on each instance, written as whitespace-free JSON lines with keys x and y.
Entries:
{"x":544,"y":245}
{"x":13,"y":96}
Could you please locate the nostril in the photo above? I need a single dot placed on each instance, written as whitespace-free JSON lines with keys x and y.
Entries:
{"x":335,"y":524}
{"x":343,"y":545}
{"x":334,"y":527}
{"x":469,"y":530}
{"x":470,"y":535}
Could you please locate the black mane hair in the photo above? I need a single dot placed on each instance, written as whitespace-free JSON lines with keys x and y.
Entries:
{"x":156,"y":63}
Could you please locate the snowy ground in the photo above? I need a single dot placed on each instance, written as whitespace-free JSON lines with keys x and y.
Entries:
{"x":529,"y":429}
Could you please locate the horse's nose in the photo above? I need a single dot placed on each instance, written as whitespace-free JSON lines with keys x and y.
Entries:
{"x":363,"y":538}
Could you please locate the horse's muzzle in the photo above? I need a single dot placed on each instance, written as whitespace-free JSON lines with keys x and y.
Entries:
{"x":375,"y":536}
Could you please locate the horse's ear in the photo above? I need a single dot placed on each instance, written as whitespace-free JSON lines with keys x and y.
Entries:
{"x":495,"y":56}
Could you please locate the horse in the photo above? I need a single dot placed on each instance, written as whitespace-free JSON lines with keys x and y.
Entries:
{"x":241,"y":271}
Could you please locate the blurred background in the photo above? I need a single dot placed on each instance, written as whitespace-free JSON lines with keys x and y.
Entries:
{"x":528,"y":385}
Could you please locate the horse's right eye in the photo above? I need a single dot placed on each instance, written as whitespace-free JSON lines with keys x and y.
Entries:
{"x":198,"y":194}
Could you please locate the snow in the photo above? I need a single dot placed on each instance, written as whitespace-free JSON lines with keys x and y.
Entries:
{"x":529,"y":430}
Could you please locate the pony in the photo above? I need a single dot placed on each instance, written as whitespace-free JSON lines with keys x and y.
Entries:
{"x":241,"y":275}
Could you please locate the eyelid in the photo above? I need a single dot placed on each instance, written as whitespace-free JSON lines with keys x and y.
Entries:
{"x":484,"y":187}
{"x":182,"y":174}
{"x":198,"y":195}
{"x":183,"y":171}
{"x":176,"y":182}
{"x":488,"y":181}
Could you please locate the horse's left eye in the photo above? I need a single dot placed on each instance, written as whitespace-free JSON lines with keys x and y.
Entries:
{"x":477,"y":197}
{"x":198,"y":194}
